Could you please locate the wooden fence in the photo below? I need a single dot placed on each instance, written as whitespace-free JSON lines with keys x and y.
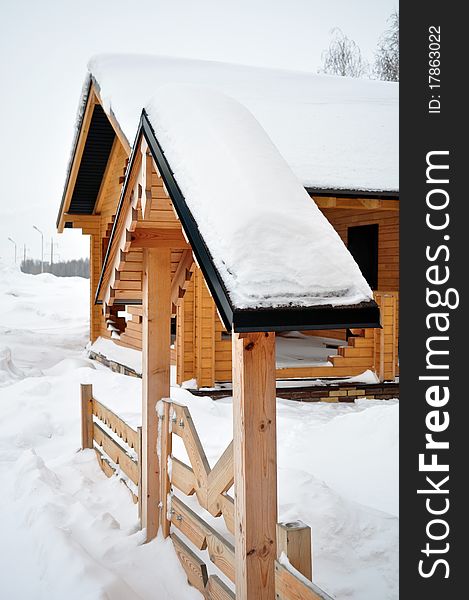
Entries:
{"x":118,"y":448}
{"x":117,"y":444}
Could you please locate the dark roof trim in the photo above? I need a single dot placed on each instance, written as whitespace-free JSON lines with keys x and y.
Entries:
{"x":82,"y":109}
{"x":331,"y":193}
{"x":275,"y":319}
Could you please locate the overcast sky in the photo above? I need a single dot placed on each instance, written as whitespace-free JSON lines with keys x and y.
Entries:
{"x":45,"y":46}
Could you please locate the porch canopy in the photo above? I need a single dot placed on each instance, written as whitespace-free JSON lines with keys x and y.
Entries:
{"x":270,"y":258}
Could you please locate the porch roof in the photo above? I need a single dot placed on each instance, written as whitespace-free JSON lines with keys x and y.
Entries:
{"x":270,"y":258}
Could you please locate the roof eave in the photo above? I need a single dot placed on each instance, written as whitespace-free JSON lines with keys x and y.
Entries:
{"x":362,"y":316}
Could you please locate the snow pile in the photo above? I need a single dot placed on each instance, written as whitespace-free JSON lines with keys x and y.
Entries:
{"x":129,"y":357}
{"x":42,"y":317}
{"x":235,"y":181}
{"x":68,"y":531}
{"x":334,"y":132}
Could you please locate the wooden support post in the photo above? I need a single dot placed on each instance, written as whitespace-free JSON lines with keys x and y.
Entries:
{"x":294,"y":540}
{"x":165,"y":454}
{"x":139,"y":455}
{"x":156,"y":358}
{"x":255,"y":465}
{"x":95,"y":269}
{"x":86,"y":390}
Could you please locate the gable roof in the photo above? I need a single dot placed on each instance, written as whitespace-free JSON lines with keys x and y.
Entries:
{"x":335,"y":133}
{"x":270,"y":258}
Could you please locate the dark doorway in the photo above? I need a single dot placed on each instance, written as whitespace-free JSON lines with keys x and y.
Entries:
{"x":363,"y":246}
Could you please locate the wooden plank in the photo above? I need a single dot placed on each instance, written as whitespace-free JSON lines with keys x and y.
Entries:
{"x":291,"y":587}
{"x":255,"y":464}
{"x":158,"y":238}
{"x":220,"y":479}
{"x":203,"y":537}
{"x":156,"y":359}
{"x":195,"y":568}
{"x":294,"y":540}
{"x":165,"y":454}
{"x":116,"y":424}
{"x":217,"y":590}
{"x":183,"y":478}
{"x":184,"y":427}
{"x":86,"y":391}
{"x":116,"y":453}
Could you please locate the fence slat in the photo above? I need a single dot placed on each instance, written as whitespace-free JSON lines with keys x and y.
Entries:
{"x":116,"y":424}
{"x":195,"y":569}
{"x":116,"y":453}
{"x":290,"y":587}
{"x":183,"y":477}
{"x":165,"y":453}
{"x":203,"y":537}
{"x":217,"y":590}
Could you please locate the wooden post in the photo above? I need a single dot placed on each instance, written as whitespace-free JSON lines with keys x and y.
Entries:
{"x":255,"y":465}
{"x":165,"y":454}
{"x":156,"y":359}
{"x":294,"y":540}
{"x":95,"y":269}
{"x":139,"y":455}
{"x":86,"y":390}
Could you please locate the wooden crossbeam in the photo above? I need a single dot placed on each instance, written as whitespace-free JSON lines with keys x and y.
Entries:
{"x":220,"y":550}
{"x":356,"y":203}
{"x":116,"y":453}
{"x":158,"y":238}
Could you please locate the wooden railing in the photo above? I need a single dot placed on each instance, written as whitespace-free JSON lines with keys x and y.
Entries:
{"x":118,"y":449}
{"x":117,"y":444}
{"x":211,"y":487}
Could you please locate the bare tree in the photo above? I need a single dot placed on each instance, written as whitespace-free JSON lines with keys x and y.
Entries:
{"x":386,"y":65}
{"x":343,"y":57}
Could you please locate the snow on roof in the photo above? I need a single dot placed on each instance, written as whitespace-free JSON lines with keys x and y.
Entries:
{"x":270,"y":243}
{"x":334,"y":132}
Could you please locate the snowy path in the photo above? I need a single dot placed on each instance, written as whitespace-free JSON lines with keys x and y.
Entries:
{"x":68,"y":531}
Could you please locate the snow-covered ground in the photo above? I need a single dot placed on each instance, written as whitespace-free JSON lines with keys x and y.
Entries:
{"x":68,"y":531}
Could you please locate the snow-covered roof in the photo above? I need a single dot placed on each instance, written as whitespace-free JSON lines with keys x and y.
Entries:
{"x":270,"y":244}
{"x":334,"y":132}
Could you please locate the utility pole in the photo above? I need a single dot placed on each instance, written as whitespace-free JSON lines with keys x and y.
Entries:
{"x":42,"y":247}
{"x":14,"y":243}
{"x":51,"y":251}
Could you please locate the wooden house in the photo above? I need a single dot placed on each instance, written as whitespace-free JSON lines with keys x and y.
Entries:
{"x":339,"y":137}
{"x":204,"y":221}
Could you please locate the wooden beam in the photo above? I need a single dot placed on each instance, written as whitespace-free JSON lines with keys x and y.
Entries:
{"x":156,"y":340}
{"x":356,"y":203}
{"x":255,"y":464}
{"x":158,"y":238}
{"x":294,"y":540}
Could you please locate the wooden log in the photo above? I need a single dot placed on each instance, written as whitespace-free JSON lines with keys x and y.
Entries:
{"x":290,"y":587}
{"x":255,"y":464}
{"x":294,"y":539}
{"x":165,"y":455}
{"x":86,"y":390}
{"x":156,"y":341}
{"x":195,"y":568}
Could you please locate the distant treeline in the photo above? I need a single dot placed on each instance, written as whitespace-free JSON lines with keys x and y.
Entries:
{"x":69,"y":268}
